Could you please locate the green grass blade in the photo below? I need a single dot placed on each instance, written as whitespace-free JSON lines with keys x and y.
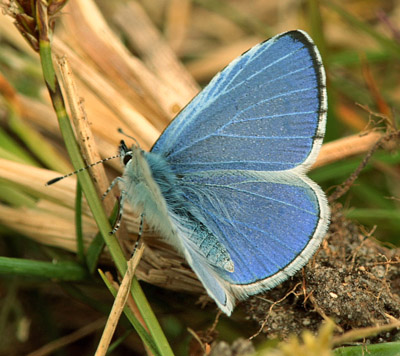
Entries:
{"x":97,"y":244}
{"x":63,"y":270}
{"x":47,"y":64}
{"x":386,"y":349}
{"x":93,"y":252}
{"x":78,"y":223}
{"x":14,"y":196}
{"x":38,"y":145}
{"x":14,"y":149}
{"x":150,"y":318}
{"x":94,"y":201}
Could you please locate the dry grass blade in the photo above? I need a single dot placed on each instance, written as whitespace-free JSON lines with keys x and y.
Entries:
{"x":346,"y":147}
{"x":119,"y":302}
{"x":83,"y":132}
{"x":358,"y":334}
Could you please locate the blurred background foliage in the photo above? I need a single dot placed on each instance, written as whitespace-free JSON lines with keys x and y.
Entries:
{"x":359,"y":41}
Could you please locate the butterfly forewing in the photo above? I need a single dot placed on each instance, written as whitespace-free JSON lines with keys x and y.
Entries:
{"x":265,"y":111}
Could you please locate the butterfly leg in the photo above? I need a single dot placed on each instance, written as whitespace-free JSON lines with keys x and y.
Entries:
{"x":139,"y":235}
{"x":112,"y":185}
{"x":117,"y":223}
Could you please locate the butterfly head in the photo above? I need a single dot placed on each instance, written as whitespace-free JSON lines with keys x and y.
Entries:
{"x":129,"y":155}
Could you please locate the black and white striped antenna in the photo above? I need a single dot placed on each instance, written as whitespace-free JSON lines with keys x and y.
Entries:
{"x":55,"y":180}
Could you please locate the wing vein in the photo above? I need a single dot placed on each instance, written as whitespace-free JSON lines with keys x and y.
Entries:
{"x":183,"y":148}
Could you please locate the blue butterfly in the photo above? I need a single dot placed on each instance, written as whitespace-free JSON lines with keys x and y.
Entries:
{"x":225,"y":183}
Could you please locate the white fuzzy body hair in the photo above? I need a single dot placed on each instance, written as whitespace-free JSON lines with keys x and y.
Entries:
{"x":144,"y":195}
{"x":150,"y":187}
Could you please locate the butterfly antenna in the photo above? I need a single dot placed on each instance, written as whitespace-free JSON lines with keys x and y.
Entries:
{"x":55,"y":180}
{"x":131,"y":137}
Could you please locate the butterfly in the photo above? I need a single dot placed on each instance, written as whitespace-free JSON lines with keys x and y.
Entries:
{"x":225,"y":183}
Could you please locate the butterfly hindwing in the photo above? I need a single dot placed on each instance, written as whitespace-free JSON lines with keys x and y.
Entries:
{"x":270,"y":222}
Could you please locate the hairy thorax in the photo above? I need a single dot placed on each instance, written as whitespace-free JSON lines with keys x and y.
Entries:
{"x":152,"y":188}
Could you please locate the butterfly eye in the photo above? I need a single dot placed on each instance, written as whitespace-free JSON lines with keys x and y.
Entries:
{"x":127,"y":158}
